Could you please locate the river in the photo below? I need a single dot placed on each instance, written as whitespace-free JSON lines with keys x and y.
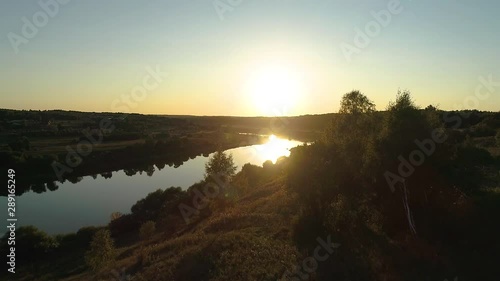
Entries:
{"x":91,"y":201}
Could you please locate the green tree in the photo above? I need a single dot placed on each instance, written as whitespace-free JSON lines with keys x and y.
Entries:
{"x":31,"y":242}
{"x":220,"y":164}
{"x":353,"y":119}
{"x":312,"y":175}
{"x":156,"y":203}
{"x":352,"y":132}
{"x":102,"y":250}
{"x":404,"y":123}
{"x":356,"y":103}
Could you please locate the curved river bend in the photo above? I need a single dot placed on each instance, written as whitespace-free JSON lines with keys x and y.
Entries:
{"x":92,"y":201}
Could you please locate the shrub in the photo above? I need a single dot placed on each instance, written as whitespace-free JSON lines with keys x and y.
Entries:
{"x":156,"y":203}
{"x":146,"y":255}
{"x":101,"y":252}
{"x":482,"y":130}
{"x":147,"y":230}
{"x":32,"y":242}
{"x":220,"y":164}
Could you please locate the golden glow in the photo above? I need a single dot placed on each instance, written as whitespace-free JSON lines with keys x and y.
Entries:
{"x":275,"y":89}
{"x":274,"y":149}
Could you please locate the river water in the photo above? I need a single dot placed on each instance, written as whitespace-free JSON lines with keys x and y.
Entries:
{"x":92,"y":201}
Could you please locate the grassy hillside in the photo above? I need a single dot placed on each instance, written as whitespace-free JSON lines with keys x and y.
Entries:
{"x":259,"y":232}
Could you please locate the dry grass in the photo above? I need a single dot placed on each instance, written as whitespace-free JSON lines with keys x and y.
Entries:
{"x":248,"y":241}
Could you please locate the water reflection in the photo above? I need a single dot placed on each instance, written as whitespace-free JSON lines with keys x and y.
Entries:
{"x":273,"y":149}
{"x":90,"y":200}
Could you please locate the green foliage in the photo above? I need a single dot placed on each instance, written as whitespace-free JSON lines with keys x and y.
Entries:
{"x":404,"y":121}
{"x":340,"y":185}
{"x":351,"y":134}
{"x":221,"y":165}
{"x":336,"y":187}
{"x":403,"y":124}
{"x":85,"y":234}
{"x":147,"y":230}
{"x":252,"y":176}
{"x":482,"y":130}
{"x":20,"y":144}
{"x":32,"y":242}
{"x":404,"y":102}
{"x":157,"y":202}
{"x":101,"y":252}
{"x":356,"y":103}
{"x":309,"y":174}
{"x":469,"y":162}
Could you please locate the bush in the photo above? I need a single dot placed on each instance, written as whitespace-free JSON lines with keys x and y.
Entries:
{"x":147,"y":230}
{"x":482,"y":130}
{"x":156,"y":203}
{"x":146,"y":255}
{"x":32,"y":242}
{"x":85,"y":234}
{"x":221,"y":165}
{"x":124,"y":224}
{"x":101,"y":252}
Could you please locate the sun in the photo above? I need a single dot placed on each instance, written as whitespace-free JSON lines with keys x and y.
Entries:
{"x":274,"y":89}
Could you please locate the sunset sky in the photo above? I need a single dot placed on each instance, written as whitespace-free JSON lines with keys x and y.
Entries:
{"x":256,"y":58}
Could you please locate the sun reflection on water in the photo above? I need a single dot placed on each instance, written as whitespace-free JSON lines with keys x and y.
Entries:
{"x":274,"y":149}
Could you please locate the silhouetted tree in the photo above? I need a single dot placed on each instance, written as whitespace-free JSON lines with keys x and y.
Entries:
{"x":107,"y":175}
{"x":309,"y":174}
{"x":220,"y":165}
{"x":52,"y":186}
{"x":157,"y":202}
{"x":353,"y":132}
{"x":31,"y":242}
{"x":403,"y":123}
{"x":356,"y":103}
{"x":75,"y":180}
{"x":150,"y":170}
{"x":38,"y":187}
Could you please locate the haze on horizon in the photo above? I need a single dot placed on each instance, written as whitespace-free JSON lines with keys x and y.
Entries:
{"x":247,"y":59}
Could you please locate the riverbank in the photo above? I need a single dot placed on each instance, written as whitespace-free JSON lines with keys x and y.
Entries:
{"x":94,"y":198}
{"x":35,"y":171}
{"x":49,"y":146}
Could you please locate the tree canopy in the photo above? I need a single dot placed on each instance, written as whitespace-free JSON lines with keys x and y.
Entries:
{"x":220,"y":164}
{"x":355,"y":102}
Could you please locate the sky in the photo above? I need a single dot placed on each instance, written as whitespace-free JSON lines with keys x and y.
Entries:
{"x":246,"y":57}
